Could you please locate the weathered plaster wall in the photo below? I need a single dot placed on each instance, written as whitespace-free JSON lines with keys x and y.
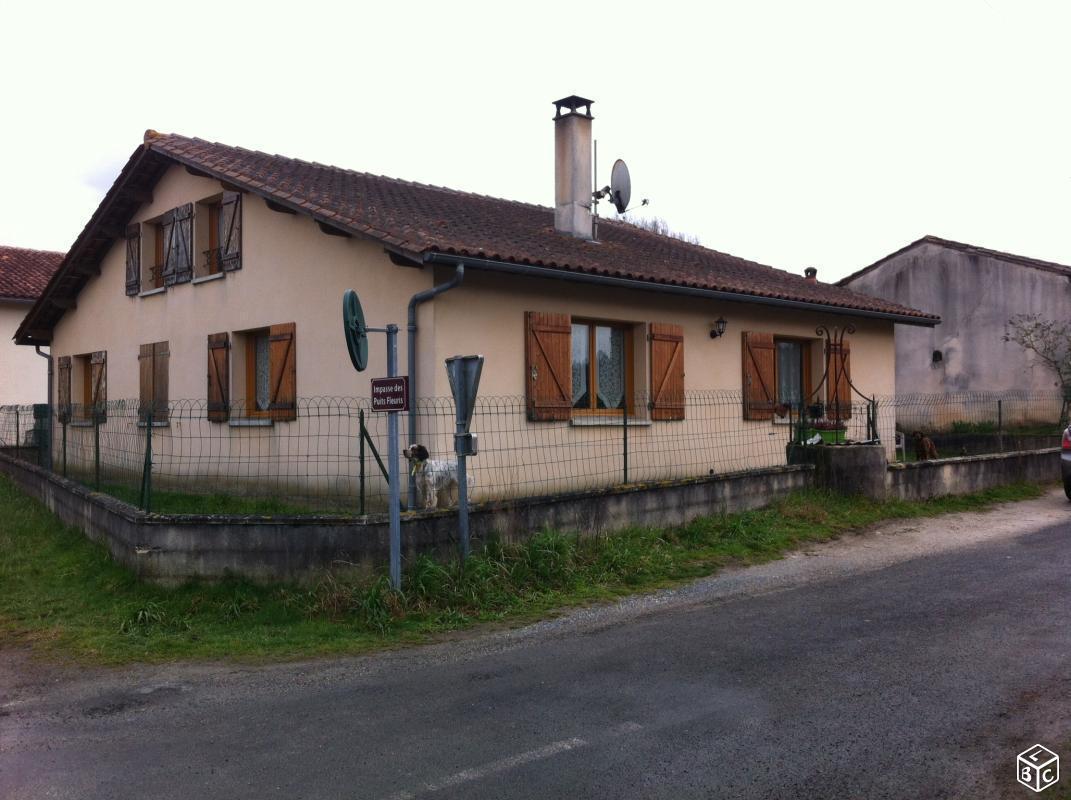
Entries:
{"x":23,"y":374}
{"x":975,"y":295}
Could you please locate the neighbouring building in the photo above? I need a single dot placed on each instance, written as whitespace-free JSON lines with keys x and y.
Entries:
{"x":975,"y":291}
{"x":23,"y":276}
{"x":215,"y":274}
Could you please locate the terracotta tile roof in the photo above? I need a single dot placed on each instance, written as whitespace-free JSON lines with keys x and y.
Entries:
{"x":24,"y":273}
{"x":418,"y":219}
{"x":999,"y":255}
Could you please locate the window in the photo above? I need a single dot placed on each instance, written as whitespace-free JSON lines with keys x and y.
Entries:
{"x":82,"y":393}
{"x":581,"y":368}
{"x":601,"y":367}
{"x":266,"y":372}
{"x":219,"y":234}
{"x":777,"y":375}
{"x":153,"y":368}
{"x":168,"y":258}
{"x":258,"y":373}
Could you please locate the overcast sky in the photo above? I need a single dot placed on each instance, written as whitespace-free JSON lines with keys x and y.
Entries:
{"x":795,"y":133}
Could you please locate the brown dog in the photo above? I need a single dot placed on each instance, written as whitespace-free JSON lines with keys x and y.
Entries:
{"x":924,"y":447}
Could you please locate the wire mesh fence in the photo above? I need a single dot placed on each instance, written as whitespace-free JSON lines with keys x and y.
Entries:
{"x":331,"y":457}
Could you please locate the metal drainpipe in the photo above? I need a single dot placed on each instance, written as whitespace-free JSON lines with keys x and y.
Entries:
{"x":414,"y":301}
{"x":48,"y":428}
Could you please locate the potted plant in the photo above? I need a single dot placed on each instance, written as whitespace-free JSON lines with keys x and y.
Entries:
{"x":832,"y":431}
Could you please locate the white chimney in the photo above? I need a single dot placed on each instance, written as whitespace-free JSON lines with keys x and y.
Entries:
{"x":572,"y":166}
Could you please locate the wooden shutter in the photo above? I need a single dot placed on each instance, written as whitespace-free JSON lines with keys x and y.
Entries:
{"x":180,"y":256}
{"x":548,"y":365}
{"x":165,"y":230}
{"x":283,"y":356}
{"x":161,"y":360}
{"x":145,"y":376}
{"x":63,"y":388}
{"x":133,"y":259}
{"x":219,"y":371}
{"x":667,"y":371}
{"x":760,"y":375}
{"x":230,"y":233}
{"x":98,"y":376}
{"x":838,"y":383}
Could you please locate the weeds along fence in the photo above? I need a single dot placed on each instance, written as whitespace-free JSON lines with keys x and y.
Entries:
{"x":331,"y":456}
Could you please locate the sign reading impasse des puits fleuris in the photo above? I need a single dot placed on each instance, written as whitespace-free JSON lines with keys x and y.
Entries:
{"x":390,"y":394}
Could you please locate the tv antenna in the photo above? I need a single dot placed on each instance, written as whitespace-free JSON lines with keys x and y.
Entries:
{"x":619,"y":191}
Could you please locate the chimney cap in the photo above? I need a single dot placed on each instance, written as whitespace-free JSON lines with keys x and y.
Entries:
{"x":572,"y":104}
{"x":811,"y":273}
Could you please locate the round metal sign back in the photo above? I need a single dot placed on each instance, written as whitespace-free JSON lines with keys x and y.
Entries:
{"x":356,"y":331}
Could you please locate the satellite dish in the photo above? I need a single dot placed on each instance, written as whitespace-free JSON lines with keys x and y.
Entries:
{"x":620,"y":186}
{"x":353,"y":326}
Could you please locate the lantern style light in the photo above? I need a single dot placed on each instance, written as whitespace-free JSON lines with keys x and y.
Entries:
{"x":718,"y":329}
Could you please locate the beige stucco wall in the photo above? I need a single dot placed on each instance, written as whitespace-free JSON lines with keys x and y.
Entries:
{"x":23,"y":374}
{"x":292,"y":272}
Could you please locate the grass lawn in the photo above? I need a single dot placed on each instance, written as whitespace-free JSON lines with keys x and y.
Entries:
{"x":64,"y":595}
{"x":170,"y":502}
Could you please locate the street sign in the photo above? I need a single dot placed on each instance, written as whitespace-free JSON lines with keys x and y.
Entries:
{"x":390,"y":394}
{"x":464,"y":374}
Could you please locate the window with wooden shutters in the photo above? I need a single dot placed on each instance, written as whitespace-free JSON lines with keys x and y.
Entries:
{"x":548,"y":365}
{"x":153,"y":371}
{"x":760,"y":375}
{"x":230,"y":231}
{"x":157,"y":274}
{"x":219,"y":371}
{"x":98,"y":389}
{"x":133,"y":259}
{"x":179,"y":267}
{"x":601,"y":367}
{"x":63,"y":388}
{"x":283,"y":402}
{"x":838,"y":382}
{"x":667,"y":371}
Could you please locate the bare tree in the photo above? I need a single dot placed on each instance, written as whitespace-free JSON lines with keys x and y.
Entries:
{"x":659,"y":226}
{"x":1050,"y":342}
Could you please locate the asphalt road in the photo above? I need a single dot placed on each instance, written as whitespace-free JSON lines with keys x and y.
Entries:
{"x":915,"y":660}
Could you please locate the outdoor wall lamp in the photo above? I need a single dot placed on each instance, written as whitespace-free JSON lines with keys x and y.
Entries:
{"x":718,"y":329}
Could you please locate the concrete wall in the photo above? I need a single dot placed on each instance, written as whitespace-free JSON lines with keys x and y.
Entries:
{"x":171,"y":549}
{"x":922,"y":480}
{"x":23,"y":374}
{"x":976,"y":295}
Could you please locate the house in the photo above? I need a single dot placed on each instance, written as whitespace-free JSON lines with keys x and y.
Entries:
{"x":215,"y":273}
{"x":23,"y":275}
{"x":975,"y":291}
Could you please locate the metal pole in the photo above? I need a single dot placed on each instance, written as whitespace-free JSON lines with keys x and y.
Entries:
{"x":18,"y":449}
{"x":96,"y":450}
{"x":146,"y":470}
{"x":64,"y":424}
{"x":624,"y":441}
{"x":360,"y":456}
{"x":462,"y":494}
{"x":393,"y":454}
{"x":1000,"y":425}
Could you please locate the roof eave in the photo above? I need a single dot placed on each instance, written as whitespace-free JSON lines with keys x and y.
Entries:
{"x":436,"y":257}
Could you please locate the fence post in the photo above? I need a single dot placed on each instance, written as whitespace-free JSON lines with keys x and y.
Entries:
{"x":624,"y":440}
{"x":18,"y":446}
{"x":96,"y":451}
{"x":360,"y":456}
{"x":146,"y":470}
{"x":63,"y":422}
{"x":1000,"y":425}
